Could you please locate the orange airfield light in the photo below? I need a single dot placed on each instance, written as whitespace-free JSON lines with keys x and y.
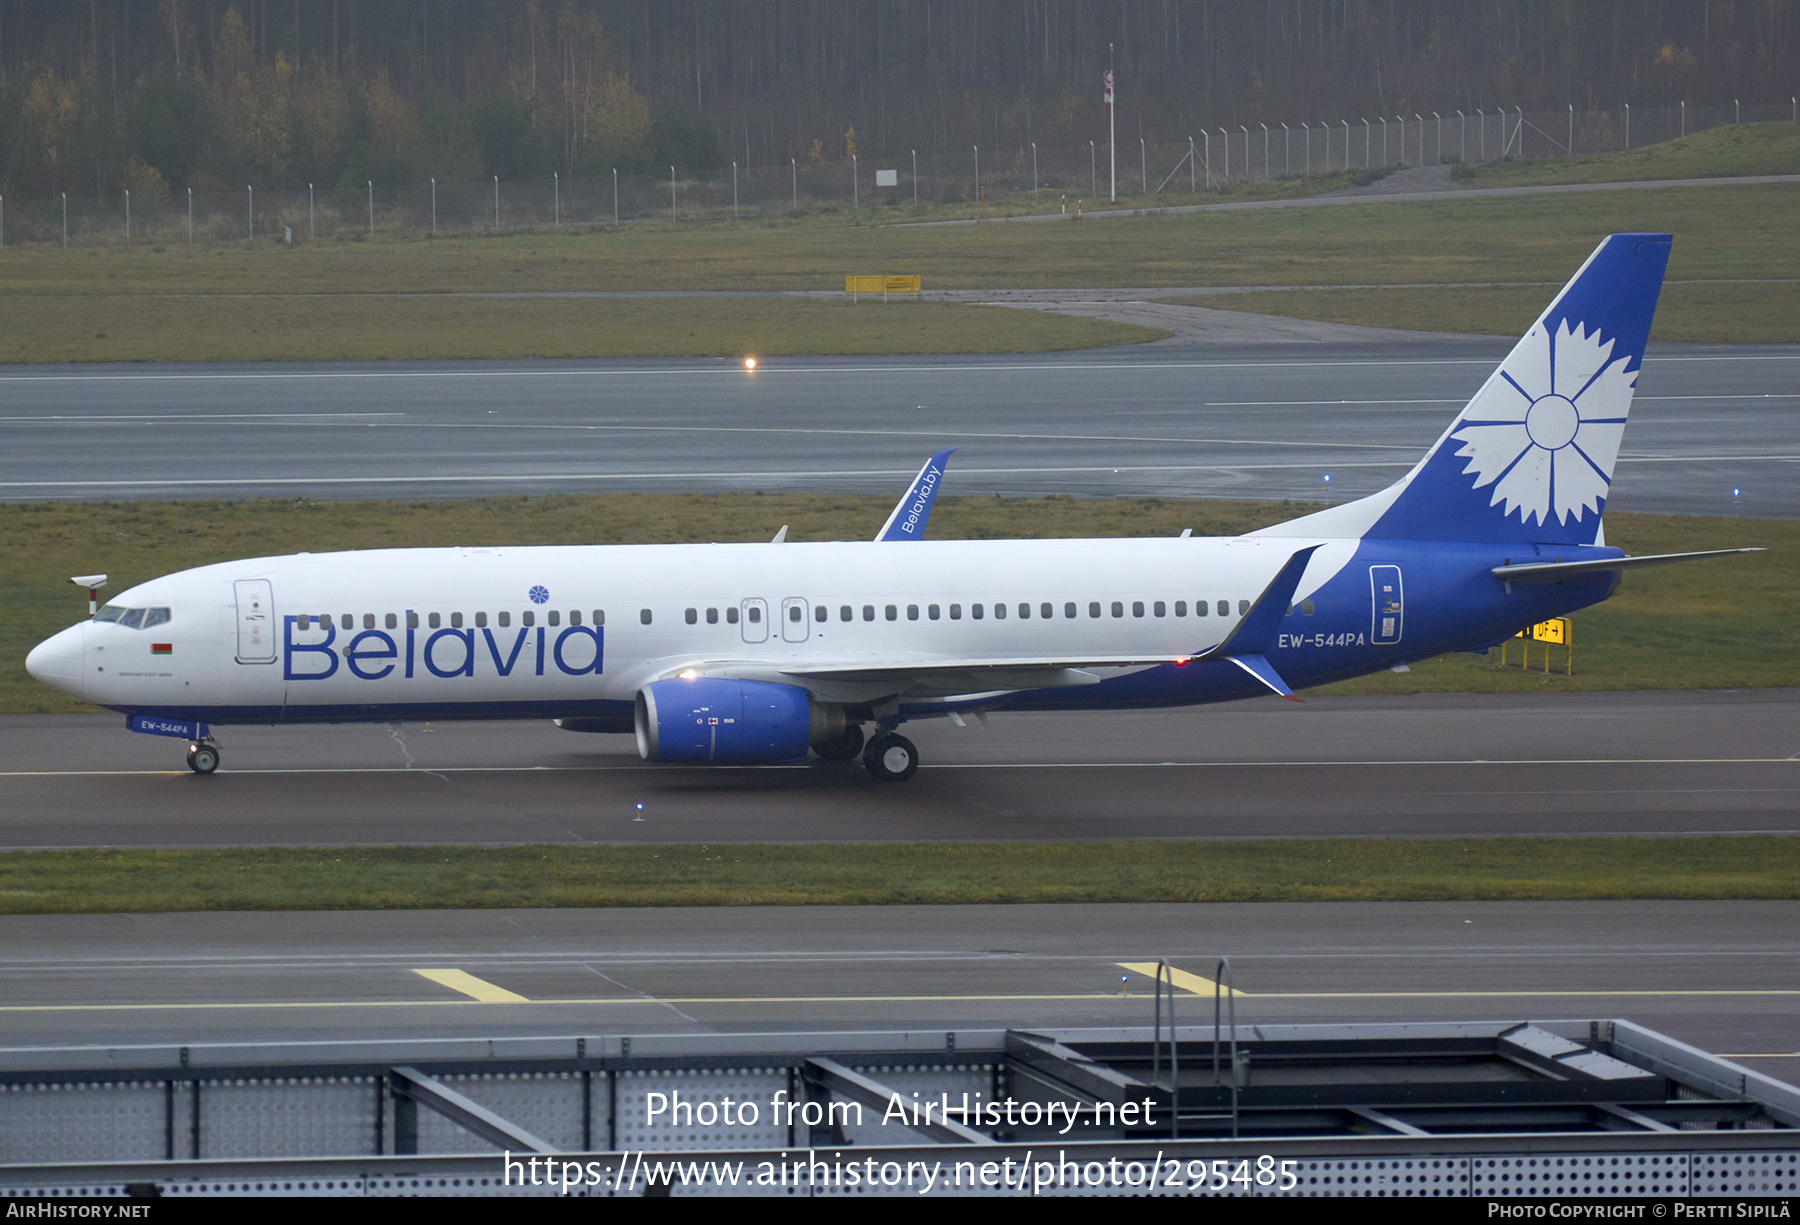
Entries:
{"x":749,"y":363}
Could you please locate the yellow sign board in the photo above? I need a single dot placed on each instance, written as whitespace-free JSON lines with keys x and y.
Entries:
{"x":883,"y":285}
{"x":1556,"y":630}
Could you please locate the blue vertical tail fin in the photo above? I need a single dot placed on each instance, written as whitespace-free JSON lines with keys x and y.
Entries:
{"x":1530,"y":458}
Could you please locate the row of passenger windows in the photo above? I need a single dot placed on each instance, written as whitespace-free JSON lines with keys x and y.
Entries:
{"x":933,"y":612}
{"x":436,"y":620}
{"x":1046,"y":611}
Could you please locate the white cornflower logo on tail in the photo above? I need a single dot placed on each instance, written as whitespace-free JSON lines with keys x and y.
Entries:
{"x":1545,"y":429}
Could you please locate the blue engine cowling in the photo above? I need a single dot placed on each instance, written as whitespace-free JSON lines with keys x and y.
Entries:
{"x":711,"y":719}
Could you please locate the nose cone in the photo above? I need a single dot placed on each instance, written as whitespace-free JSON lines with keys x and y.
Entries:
{"x":58,"y":660}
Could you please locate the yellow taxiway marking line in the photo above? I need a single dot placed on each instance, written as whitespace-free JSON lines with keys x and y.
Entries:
{"x":476,"y":989}
{"x":884,"y":999}
{"x":1180,"y":978}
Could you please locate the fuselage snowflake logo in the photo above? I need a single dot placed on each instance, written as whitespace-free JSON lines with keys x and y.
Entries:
{"x":540,"y":595}
{"x":1545,"y":430}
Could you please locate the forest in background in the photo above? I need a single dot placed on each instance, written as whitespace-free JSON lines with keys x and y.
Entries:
{"x":99,"y":96}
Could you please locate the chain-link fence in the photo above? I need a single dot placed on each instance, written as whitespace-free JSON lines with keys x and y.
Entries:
{"x":1056,"y":178}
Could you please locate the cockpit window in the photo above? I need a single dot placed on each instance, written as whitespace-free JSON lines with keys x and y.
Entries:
{"x":133,"y":618}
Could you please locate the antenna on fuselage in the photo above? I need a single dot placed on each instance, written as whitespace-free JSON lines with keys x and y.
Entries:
{"x":93,"y":582}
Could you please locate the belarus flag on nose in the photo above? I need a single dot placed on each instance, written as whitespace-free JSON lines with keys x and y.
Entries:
{"x":162,"y":648}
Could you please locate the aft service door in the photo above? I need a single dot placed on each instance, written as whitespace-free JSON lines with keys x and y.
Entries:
{"x":755,"y":620}
{"x":794,"y":611}
{"x":1390,"y":605}
{"x":255,"y":621}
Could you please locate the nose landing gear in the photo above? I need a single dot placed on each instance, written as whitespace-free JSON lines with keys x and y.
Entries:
{"x":203,"y":757}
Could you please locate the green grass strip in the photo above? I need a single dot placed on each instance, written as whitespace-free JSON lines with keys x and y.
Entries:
{"x":967,"y":873}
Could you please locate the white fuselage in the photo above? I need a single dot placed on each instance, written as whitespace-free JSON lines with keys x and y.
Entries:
{"x":521,"y":629}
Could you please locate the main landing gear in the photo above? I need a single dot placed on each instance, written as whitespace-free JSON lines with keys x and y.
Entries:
{"x":890,"y":757}
{"x":203,"y":757}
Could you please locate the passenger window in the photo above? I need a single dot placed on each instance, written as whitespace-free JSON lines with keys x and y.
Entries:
{"x":554,"y":617}
{"x":347,"y":620}
{"x":999,"y":612}
{"x":435,"y":620}
{"x":393,"y":622}
{"x":1137,"y":608}
{"x":1224,"y":608}
{"x":480,"y":620}
{"x":1200,"y":608}
{"x":505,"y":620}
{"x":1181,"y":608}
{"x":1160,"y":609}
{"x":821,"y":613}
{"x":932,"y":611}
{"x":304,"y":620}
{"x":796,"y":613}
{"x":755,"y":612}
{"x":1093,"y":608}
{"x":692,"y":616}
{"x":527,"y":618}
{"x":712,"y":616}
{"x":1118,"y":608}
{"x":155,"y":616}
{"x":892,"y":613}
{"x":956,"y":612}
{"x":456,"y":621}
{"x":1243,"y":607}
{"x":575,"y":616}
{"x":845,"y":613}
{"x":912,"y":612}
{"x":1046,"y":611}
{"x":1069,"y":610}
{"x":868,"y":612}
{"x":975,"y":611}
{"x":644,"y":617}
{"x":1306,"y":608}
{"x":599,"y":616}
{"x":731,"y":616}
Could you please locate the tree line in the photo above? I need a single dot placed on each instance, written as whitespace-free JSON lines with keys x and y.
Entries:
{"x":97,"y":96}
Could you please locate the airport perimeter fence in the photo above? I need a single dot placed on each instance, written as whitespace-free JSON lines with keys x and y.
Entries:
{"x":1061,"y":178}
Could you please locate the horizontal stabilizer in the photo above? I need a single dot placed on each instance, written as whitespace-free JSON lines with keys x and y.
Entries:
{"x":913,"y":510}
{"x":1556,"y":571}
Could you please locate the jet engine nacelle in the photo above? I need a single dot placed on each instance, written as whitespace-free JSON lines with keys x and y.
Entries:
{"x":717,"y":720}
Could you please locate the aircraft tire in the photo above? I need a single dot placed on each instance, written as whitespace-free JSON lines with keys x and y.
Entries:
{"x":844,"y":748}
{"x":891,"y":758}
{"x":203,"y":759}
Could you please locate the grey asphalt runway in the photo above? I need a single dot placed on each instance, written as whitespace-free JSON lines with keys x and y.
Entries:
{"x":1723,"y":975}
{"x":1603,"y":763}
{"x":1264,"y":421}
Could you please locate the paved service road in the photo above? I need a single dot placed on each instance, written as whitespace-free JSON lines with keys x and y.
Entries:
{"x":1252,"y":421}
{"x":1604,"y":763}
{"x":1722,"y":975}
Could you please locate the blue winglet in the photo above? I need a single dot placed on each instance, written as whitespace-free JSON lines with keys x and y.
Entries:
{"x":912,"y":511}
{"x":1265,"y":672}
{"x":1250,"y":641}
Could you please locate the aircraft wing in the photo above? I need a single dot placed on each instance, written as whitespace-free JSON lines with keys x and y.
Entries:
{"x":863,"y":680}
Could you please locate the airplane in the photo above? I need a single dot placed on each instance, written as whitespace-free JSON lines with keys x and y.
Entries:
{"x":760,"y":653}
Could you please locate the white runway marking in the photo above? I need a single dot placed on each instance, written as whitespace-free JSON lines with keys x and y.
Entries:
{"x":225,"y":482}
{"x":192,"y":416}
